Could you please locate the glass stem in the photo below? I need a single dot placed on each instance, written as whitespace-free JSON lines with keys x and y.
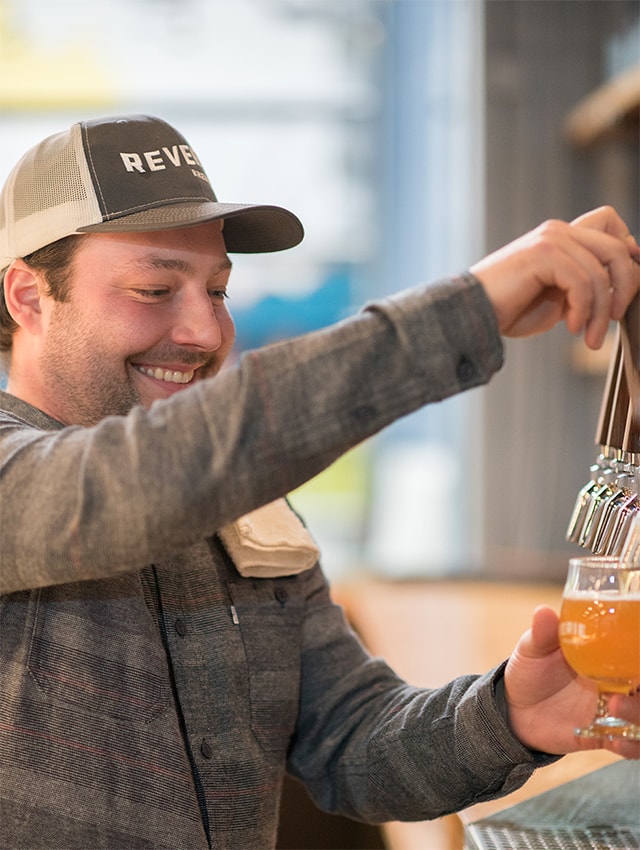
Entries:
{"x":602,"y":709}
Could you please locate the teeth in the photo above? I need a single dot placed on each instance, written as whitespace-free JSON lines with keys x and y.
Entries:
{"x":166,"y":375}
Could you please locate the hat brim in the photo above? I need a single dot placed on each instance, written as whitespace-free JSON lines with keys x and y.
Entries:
{"x":248,"y":228}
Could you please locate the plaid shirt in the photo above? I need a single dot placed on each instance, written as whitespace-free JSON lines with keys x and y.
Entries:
{"x":151,"y":697}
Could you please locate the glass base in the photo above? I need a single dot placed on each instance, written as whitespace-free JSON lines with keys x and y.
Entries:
{"x":610,"y":727}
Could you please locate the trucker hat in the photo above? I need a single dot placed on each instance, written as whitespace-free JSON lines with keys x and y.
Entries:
{"x":125,"y":173}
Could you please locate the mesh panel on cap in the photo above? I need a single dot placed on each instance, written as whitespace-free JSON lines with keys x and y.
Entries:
{"x":49,"y":195}
{"x":49,"y":179}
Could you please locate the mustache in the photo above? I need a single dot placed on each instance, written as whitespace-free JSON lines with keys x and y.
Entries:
{"x":171,"y":354}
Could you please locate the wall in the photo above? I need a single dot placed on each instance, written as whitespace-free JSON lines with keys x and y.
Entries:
{"x":540,"y":413}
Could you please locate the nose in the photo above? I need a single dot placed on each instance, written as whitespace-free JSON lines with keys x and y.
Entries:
{"x":197,"y":323}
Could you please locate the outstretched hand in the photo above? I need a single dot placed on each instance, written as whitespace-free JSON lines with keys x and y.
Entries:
{"x":586,"y":272}
{"x":546,"y":700}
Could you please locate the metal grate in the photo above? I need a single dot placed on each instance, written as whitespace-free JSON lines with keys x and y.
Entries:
{"x":504,"y":837}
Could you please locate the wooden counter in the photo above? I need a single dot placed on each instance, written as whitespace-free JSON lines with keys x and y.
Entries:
{"x":474,"y":626}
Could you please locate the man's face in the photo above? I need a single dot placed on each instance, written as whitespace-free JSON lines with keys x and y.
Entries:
{"x":146,"y":318}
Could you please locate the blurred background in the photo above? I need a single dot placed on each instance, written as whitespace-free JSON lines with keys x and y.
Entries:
{"x":411,"y":137}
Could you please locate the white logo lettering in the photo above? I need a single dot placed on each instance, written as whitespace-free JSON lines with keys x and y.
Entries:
{"x":200,"y":174}
{"x":172,"y":155}
{"x":132,"y":162}
{"x":189,"y":156}
{"x":154,"y":161}
{"x":572,"y":629}
{"x":157,"y":160}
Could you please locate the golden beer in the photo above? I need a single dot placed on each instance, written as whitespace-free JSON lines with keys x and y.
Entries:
{"x":600,"y":638}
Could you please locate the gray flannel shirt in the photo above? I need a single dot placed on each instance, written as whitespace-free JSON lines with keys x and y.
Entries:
{"x":150,"y":697}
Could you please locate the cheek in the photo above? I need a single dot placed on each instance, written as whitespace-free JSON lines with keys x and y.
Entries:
{"x":227,"y":328}
{"x":136,"y":328}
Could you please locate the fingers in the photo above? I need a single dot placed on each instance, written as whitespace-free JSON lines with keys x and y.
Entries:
{"x":580,"y":276}
{"x":627,"y":707}
{"x":607,"y":220}
{"x":618,"y":256}
{"x":596,"y":266}
{"x":585,"y":273}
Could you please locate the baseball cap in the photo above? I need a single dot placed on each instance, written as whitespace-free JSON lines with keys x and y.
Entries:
{"x":125,"y":173}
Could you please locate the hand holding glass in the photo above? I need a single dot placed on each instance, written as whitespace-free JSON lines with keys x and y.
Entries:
{"x":600,"y":635}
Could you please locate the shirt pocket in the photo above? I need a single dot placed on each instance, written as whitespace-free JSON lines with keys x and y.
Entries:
{"x":269,"y":615}
{"x":94,"y":645}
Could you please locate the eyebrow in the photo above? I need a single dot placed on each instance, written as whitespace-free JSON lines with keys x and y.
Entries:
{"x":154,"y":262}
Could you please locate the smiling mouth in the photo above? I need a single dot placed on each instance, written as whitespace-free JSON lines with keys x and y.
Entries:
{"x":170,"y":376}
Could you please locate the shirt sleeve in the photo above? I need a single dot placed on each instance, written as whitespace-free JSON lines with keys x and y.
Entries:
{"x":87,"y":503}
{"x":372,"y":747}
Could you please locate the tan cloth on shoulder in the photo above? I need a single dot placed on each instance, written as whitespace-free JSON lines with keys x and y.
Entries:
{"x":270,"y":542}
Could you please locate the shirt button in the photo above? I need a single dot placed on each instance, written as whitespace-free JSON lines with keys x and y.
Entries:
{"x":205,"y":749}
{"x":364,"y":413}
{"x":180,"y":626}
{"x":465,"y":369}
{"x":281,"y":595}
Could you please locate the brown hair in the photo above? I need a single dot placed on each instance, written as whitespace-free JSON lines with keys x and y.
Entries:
{"x":54,"y":262}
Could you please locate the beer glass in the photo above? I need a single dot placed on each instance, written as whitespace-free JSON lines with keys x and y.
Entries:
{"x":600,"y":635}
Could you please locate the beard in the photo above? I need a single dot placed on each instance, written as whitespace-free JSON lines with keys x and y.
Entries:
{"x":85,"y":382}
{"x":88,"y":382}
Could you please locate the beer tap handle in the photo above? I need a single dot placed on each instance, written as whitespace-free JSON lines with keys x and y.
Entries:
{"x":619,"y":409}
{"x":631,"y":438}
{"x":630,"y":343}
{"x":609,"y":396}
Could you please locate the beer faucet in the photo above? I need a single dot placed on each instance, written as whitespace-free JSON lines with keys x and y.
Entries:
{"x":606,"y":516}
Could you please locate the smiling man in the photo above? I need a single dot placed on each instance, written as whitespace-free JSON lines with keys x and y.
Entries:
{"x":146,"y":317}
{"x":168,"y":644}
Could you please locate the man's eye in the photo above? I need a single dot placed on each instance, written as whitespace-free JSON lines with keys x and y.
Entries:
{"x":218,"y":294}
{"x":151,"y":293}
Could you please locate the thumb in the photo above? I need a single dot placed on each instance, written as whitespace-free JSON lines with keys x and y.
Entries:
{"x":537,"y":669}
{"x":542,"y":638}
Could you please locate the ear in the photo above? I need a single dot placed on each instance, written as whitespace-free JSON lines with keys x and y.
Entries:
{"x":23,"y":291}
